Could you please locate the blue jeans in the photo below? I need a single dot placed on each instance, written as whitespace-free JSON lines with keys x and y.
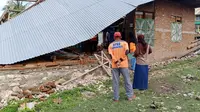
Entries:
{"x":127,"y":82}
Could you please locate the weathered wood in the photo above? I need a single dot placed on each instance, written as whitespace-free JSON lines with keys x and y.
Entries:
{"x":195,"y":41}
{"x":193,"y":45}
{"x":103,"y":65}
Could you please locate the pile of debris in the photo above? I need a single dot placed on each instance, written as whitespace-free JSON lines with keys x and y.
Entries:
{"x":164,"y":63}
{"x":40,"y":92}
{"x":189,"y":78}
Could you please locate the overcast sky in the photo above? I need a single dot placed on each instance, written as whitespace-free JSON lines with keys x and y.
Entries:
{"x":2,"y":3}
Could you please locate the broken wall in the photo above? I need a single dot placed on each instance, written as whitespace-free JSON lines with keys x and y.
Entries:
{"x":164,"y":48}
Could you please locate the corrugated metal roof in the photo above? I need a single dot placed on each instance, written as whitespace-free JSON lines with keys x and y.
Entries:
{"x":56,"y":24}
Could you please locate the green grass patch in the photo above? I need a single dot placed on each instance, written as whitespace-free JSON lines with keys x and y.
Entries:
{"x":169,"y":93}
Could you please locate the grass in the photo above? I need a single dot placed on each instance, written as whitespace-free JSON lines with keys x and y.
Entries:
{"x":167,"y":93}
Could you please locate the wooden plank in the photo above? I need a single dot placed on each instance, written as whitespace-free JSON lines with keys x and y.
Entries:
{"x":84,"y":74}
{"x":102,"y":65}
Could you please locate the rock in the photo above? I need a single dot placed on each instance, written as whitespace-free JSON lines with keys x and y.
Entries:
{"x":178,"y":107}
{"x":42,"y":99}
{"x":183,"y":77}
{"x":14,"y":84}
{"x":87,"y":70}
{"x":10,"y":76}
{"x":67,"y":67}
{"x":14,"y":94}
{"x":5,"y":94}
{"x":137,"y":98}
{"x":88,"y":94}
{"x":18,"y":79}
{"x":17,"y":89}
{"x":60,"y":88}
{"x":26,"y":76}
{"x":13,"y":98}
{"x":153,"y":106}
{"x":30,"y":97}
{"x":44,"y":89}
{"x":23,"y":86}
{"x":198,"y":98}
{"x":34,"y":89}
{"x":191,"y":94}
{"x":164,"y":108}
{"x":40,"y":96}
{"x":27,"y":92}
{"x":156,"y":105}
{"x":142,"y":110}
{"x":50,"y":91}
{"x":52,"y":84}
{"x":1,"y":105}
{"x":60,"y":81}
{"x":189,"y":76}
{"x":2,"y":77}
{"x":35,"y":93}
{"x":44,"y":79}
{"x":20,"y":96}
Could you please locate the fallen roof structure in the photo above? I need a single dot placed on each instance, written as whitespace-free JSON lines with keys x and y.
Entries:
{"x":56,"y":24}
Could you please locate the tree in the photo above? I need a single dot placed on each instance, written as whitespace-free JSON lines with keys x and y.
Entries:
{"x":14,"y":7}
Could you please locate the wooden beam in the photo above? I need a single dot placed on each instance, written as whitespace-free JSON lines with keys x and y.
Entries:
{"x":84,"y":74}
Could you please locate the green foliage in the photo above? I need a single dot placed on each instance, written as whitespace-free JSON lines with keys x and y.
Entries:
{"x":15,"y":7}
{"x":27,"y":110}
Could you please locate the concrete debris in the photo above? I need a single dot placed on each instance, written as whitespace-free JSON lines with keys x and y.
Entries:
{"x":156,"y":105}
{"x":13,"y":98}
{"x":45,"y":78}
{"x":178,"y":107}
{"x":189,"y":78}
{"x":17,"y":89}
{"x":164,"y":63}
{"x":190,"y":94}
{"x":4,"y":96}
{"x":14,"y":84}
{"x":39,"y":83}
{"x":198,"y":98}
{"x":60,"y":81}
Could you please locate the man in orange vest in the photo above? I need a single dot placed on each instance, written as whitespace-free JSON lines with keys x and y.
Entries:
{"x":119,"y":50}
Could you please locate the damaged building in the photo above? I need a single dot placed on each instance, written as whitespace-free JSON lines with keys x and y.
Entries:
{"x":168,"y":26}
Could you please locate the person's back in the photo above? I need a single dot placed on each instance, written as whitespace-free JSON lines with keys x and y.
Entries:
{"x":141,"y":70}
{"x":118,"y":49}
{"x":141,"y":52}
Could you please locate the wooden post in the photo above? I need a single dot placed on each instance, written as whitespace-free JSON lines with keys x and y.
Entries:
{"x":101,"y":64}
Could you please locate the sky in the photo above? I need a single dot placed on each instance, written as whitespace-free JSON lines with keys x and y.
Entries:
{"x":2,"y":3}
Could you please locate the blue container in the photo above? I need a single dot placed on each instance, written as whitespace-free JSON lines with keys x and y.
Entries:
{"x":132,"y":61}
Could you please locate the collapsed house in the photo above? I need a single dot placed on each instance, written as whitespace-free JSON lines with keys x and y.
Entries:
{"x":168,"y":26}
